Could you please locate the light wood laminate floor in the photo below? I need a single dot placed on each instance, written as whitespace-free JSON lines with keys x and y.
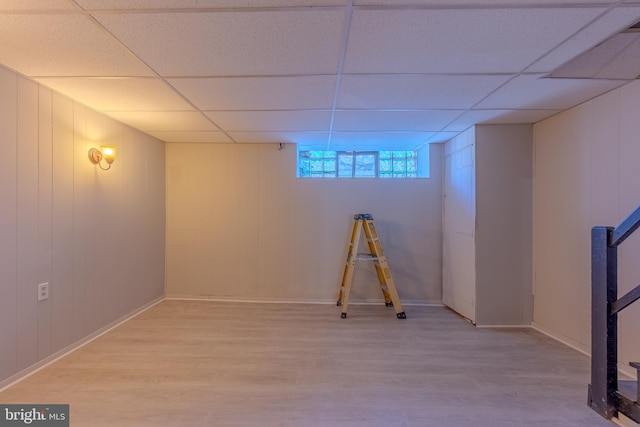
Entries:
{"x":199,"y":363}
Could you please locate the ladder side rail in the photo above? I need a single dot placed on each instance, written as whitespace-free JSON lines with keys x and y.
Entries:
{"x":350,"y":263}
{"x":376,"y":251}
{"x":345,"y":289}
{"x":383,"y":271}
{"x":383,"y":284}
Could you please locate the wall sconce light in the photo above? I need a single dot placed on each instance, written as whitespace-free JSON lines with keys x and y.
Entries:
{"x":106,"y":153}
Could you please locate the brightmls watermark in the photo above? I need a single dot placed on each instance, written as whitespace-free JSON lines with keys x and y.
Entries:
{"x":34,"y":415}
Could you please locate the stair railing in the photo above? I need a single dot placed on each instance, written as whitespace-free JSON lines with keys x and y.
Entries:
{"x":605,"y":396}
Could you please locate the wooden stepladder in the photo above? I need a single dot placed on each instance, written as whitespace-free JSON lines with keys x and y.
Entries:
{"x":376,"y":254}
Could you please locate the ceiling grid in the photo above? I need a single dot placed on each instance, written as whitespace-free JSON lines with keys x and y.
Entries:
{"x":325,"y":74}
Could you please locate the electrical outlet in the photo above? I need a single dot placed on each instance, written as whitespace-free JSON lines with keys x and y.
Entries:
{"x":43,"y":291}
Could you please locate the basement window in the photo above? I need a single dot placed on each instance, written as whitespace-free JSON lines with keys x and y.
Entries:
{"x":358,"y":164}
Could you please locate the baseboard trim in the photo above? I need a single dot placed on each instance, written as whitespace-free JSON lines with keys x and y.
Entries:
{"x":412,"y":303}
{"x":623,"y":370}
{"x":561,"y":338}
{"x":503,"y":326}
{"x":27,"y":372}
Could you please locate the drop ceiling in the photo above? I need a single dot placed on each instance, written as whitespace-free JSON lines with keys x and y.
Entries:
{"x":327,"y":74}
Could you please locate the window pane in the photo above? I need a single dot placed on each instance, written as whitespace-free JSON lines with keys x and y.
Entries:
{"x":316,"y":165}
{"x":399,"y":166}
{"x":412,"y":165}
{"x":303,"y":164}
{"x":330,"y":165}
{"x":365,"y":165}
{"x":345,"y":165}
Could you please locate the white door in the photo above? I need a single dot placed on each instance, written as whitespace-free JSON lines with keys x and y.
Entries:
{"x":459,"y":287}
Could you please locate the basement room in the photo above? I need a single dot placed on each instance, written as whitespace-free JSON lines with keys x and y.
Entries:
{"x":358,"y":213}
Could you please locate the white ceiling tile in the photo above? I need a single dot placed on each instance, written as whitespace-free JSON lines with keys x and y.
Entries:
{"x":199,"y":4}
{"x":120,"y":93}
{"x":233,"y":43}
{"x":538,"y":93}
{"x":271,"y":121}
{"x":415,"y":91}
{"x":441,"y":137}
{"x":470,"y":118}
{"x":48,"y":5}
{"x":379,"y":140}
{"x":614,"y":21}
{"x":191,"y":136}
{"x":474,"y":3}
{"x":166,"y":121}
{"x":368,"y":120}
{"x":457,"y":40}
{"x":259,"y":93}
{"x":63,"y":45}
{"x":302,"y":138}
{"x":255,"y":62}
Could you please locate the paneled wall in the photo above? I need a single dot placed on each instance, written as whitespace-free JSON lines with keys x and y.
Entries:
{"x":503,"y":224}
{"x":459,"y":227}
{"x":97,"y":237}
{"x":586,"y":173}
{"x":487,"y":224}
{"x":240,"y":225}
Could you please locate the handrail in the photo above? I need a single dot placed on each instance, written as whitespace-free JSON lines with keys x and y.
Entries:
{"x":626,"y":228}
{"x":626,"y":300}
{"x":604,"y":396}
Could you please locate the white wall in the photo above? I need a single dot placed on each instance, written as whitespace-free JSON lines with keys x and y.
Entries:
{"x":503,"y":224}
{"x":586,"y":173}
{"x":459,"y":256}
{"x":240,"y":225}
{"x":96,"y":236}
{"x":487,"y":224}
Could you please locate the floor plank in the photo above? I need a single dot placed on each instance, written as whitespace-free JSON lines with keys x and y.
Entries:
{"x":199,"y":363}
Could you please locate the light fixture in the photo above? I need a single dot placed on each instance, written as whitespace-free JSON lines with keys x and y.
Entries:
{"x":106,"y":153}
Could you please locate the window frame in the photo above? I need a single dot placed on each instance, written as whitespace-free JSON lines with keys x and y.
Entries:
{"x":306,"y":155}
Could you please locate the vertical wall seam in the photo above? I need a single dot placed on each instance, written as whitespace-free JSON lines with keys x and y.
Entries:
{"x":38,"y":231}
{"x":52,"y":159}
{"x":73,"y":216}
{"x":15,"y":225}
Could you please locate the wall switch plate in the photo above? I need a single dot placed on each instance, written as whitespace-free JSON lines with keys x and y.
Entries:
{"x":43,"y":291}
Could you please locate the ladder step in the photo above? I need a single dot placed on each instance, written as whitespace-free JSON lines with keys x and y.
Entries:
{"x":366,"y":257}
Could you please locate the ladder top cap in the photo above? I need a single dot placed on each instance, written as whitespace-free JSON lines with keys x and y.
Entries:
{"x":362,"y":216}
